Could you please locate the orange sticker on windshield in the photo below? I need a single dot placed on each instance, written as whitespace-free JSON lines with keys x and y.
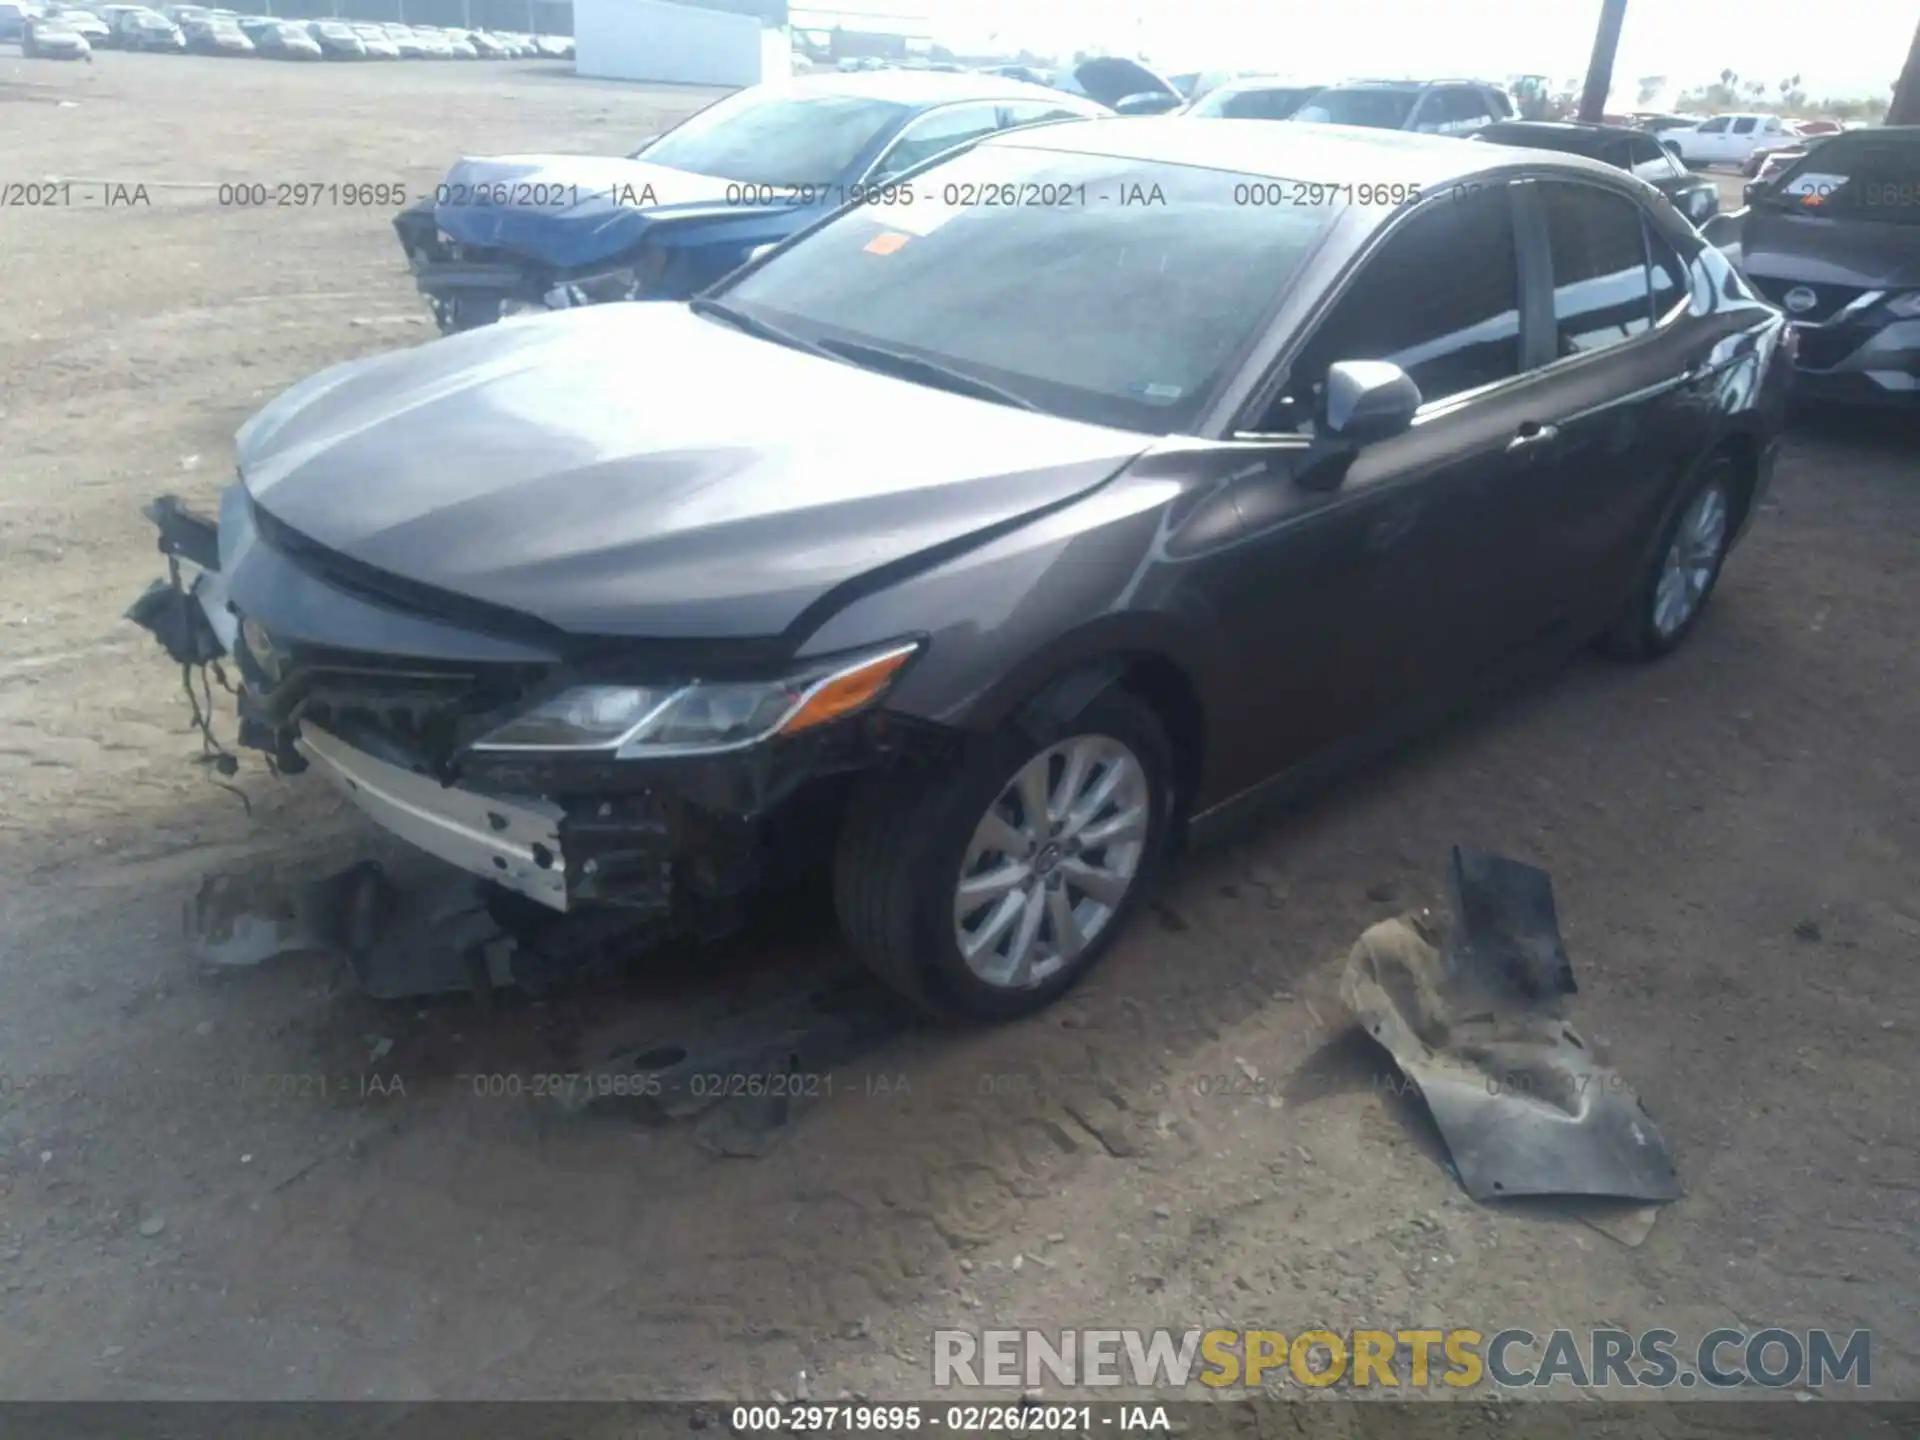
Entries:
{"x":886,"y":242}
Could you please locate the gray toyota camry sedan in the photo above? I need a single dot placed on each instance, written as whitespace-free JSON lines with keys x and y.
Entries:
{"x":973,"y":548}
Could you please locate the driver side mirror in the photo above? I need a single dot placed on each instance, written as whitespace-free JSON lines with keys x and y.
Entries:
{"x":1360,"y":401}
{"x":1364,"y":400}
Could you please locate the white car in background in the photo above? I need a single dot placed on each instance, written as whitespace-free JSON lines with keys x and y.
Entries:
{"x":1728,"y":139}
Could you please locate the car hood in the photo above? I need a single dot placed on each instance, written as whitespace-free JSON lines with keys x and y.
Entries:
{"x":1112,"y":78}
{"x":1781,"y":245}
{"x":572,"y":210}
{"x":634,"y":469}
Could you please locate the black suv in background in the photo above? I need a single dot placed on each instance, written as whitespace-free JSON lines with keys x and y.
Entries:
{"x":1622,"y":147}
{"x":1834,"y":241}
{"x":1437,"y":107}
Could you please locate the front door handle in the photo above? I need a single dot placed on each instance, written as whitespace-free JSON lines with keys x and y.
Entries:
{"x":1532,"y":433}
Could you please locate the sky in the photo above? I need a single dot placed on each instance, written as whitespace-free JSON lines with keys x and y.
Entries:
{"x":1840,"y":48}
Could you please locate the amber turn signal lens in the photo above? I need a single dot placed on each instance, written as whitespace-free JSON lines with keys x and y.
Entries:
{"x":848,"y":691}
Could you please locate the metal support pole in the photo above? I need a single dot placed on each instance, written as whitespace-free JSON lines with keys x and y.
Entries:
{"x":1905,"y":109}
{"x":1593,"y":99}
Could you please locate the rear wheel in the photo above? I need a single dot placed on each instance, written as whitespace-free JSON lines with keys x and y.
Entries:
{"x":1669,"y":600}
{"x":988,"y":890}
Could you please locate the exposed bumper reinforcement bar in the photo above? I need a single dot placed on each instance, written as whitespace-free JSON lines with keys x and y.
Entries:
{"x":513,"y":842}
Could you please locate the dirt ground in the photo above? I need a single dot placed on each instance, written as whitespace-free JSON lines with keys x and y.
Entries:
{"x":1734,"y":837}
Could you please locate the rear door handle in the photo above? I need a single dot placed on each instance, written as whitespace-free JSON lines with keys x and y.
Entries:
{"x":1531,"y":434}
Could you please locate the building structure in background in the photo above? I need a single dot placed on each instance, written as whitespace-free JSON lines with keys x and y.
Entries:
{"x":692,"y":42}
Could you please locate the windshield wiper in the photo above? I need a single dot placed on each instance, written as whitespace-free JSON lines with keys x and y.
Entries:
{"x":752,"y":325}
{"x":930,"y":372}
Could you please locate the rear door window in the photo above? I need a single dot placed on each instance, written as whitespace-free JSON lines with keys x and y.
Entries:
{"x":1469,"y":110}
{"x":1744,"y":125}
{"x":1651,"y":160}
{"x":1668,"y":273}
{"x":1602,"y":293}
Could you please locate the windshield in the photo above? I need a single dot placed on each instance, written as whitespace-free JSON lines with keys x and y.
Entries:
{"x":776,"y":137}
{"x":1381,"y":109}
{"x":1864,"y":175}
{"x":1140,"y":284}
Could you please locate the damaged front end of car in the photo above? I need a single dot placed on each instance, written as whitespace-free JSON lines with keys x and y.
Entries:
{"x":667,"y":784}
{"x":511,"y":235}
{"x":467,"y":286}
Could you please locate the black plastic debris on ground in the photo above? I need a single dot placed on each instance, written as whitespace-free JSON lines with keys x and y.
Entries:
{"x":1476,"y":1019}
{"x":740,"y":1073}
{"x":745,"y":1075}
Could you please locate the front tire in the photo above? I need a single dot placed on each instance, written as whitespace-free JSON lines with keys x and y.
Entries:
{"x":986,"y":890}
{"x":1670,"y":598}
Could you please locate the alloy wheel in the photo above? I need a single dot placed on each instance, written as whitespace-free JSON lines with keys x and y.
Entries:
{"x":1691,"y":561}
{"x":1052,"y":861}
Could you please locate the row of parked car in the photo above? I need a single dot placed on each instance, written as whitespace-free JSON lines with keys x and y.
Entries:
{"x":1022,"y":490}
{"x":66,"y":31}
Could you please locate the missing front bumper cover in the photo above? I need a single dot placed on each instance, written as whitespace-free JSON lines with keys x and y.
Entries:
{"x":683,"y":842}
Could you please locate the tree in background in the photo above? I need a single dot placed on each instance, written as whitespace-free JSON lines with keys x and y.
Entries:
{"x":1905,"y":109}
{"x":1648,"y":88}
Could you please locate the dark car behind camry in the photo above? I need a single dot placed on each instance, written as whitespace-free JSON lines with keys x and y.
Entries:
{"x":982,"y":596}
{"x":1624,"y":148}
{"x":1834,"y":240}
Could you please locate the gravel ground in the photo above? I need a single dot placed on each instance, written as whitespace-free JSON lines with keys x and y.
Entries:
{"x":1734,"y":837}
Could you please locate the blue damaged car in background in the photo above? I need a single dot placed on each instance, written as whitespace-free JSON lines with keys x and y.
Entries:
{"x":505,"y":234}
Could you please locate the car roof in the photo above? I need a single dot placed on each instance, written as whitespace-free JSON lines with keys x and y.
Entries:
{"x":1292,"y":150}
{"x":920,"y":87}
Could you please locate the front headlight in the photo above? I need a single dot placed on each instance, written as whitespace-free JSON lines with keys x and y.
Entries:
{"x":1905,"y":307}
{"x":634,"y":722}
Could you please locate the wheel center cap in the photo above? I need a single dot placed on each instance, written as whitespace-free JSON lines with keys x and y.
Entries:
{"x":1044,"y":862}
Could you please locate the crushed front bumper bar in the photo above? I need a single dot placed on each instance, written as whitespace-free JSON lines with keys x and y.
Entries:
{"x":514,"y":842}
